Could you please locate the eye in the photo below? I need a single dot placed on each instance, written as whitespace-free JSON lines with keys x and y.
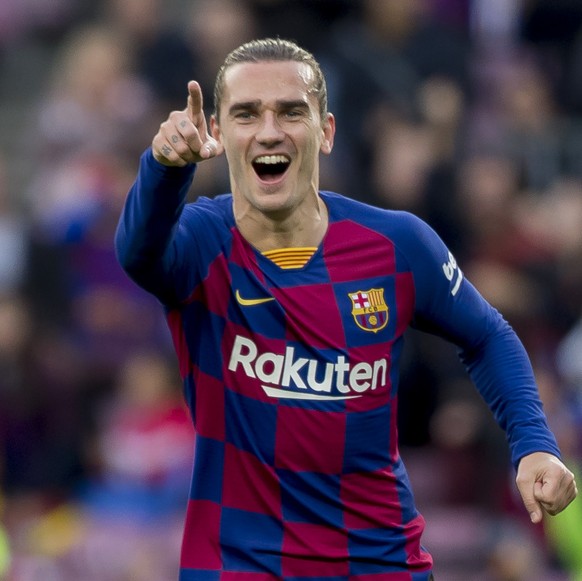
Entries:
{"x":293,"y":113}
{"x":244,"y":116}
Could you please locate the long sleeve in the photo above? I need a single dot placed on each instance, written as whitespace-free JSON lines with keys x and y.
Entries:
{"x":449,"y":305}
{"x":148,"y":224}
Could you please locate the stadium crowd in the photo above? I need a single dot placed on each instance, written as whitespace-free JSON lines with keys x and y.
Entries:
{"x":465,"y":112}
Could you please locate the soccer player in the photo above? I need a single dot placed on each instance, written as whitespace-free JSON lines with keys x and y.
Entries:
{"x":288,"y":307}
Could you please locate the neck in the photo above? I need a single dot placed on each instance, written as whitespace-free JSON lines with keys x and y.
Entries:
{"x":305,"y":227}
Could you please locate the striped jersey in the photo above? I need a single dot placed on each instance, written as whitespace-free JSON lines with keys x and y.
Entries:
{"x":291,"y":374}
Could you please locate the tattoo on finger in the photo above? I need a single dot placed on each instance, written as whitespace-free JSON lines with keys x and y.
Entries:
{"x":175,"y":139}
{"x":166,"y":150}
{"x":183,"y":123}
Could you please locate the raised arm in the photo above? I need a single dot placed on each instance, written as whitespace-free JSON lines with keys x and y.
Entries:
{"x":148,"y":226}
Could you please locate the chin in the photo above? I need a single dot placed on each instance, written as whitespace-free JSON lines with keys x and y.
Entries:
{"x":273,"y":202}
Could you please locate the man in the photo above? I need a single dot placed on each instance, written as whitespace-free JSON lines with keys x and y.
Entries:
{"x":288,"y":307}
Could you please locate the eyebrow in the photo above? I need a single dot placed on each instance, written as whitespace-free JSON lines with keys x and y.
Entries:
{"x":243,"y":106}
{"x":281,"y":104}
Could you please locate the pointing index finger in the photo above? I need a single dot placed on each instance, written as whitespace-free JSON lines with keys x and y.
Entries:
{"x":194,"y":101}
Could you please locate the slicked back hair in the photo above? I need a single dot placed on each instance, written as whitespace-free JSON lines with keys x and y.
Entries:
{"x":272,"y":49}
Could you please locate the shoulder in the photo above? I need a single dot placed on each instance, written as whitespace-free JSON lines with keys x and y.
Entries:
{"x":215,"y":208}
{"x":207,"y":218}
{"x":391,"y":223}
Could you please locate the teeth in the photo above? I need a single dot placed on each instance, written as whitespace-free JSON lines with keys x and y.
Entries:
{"x":271,"y":159}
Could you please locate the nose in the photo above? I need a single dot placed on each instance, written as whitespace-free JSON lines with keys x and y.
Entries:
{"x":269,"y":131}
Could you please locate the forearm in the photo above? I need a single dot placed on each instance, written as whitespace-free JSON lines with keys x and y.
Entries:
{"x":150,"y":216}
{"x":448,"y":305}
{"x":502,"y":372}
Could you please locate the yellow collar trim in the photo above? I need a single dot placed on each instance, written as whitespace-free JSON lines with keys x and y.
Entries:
{"x":291,"y":257}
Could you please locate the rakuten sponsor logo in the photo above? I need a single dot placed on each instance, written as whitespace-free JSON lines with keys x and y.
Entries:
{"x":287,"y":376}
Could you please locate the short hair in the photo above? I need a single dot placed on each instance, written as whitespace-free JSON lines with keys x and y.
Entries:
{"x":272,"y":49}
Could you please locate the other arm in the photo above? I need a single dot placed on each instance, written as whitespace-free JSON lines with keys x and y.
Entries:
{"x":449,"y":306}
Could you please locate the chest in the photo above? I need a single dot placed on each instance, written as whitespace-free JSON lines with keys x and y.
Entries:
{"x":352,"y":291}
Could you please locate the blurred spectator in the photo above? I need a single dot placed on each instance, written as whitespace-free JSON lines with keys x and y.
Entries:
{"x":512,"y":243}
{"x":404,"y":158}
{"x":19,"y":18}
{"x":162,"y":55}
{"x":214,"y":28}
{"x":486,"y":189}
{"x":569,"y":361}
{"x":515,"y":555}
{"x":517,"y":113}
{"x":62,"y":542}
{"x":572,"y":79}
{"x":124,"y":519}
{"x":95,"y":115}
{"x":412,"y":161}
{"x":95,"y":101}
{"x":454,"y":14}
{"x":466,"y":440}
{"x":302,"y":20}
{"x":495,"y":23}
{"x":551,"y":27}
{"x":40,"y":409}
{"x":554,"y":220}
{"x":140,"y":462}
{"x":102,"y":309}
{"x":383,"y":58}
{"x":13,"y":238}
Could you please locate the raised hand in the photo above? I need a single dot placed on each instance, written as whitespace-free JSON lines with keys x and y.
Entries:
{"x":183,"y":137}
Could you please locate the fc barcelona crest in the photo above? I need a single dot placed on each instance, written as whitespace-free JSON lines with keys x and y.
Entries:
{"x":369,"y":309}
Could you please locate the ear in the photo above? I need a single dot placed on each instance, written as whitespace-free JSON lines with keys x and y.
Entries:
{"x":328,"y":134}
{"x":215,"y":129}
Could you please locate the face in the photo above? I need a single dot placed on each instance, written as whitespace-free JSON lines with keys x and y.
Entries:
{"x":272,"y":133}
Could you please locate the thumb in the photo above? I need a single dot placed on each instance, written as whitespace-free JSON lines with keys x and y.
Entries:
{"x":210,"y":148}
{"x":212,"y":145}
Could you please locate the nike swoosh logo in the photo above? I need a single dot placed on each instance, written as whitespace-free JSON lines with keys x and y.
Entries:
{"x":251,"y":302}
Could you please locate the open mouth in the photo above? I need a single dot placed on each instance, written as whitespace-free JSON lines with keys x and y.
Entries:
{"x":270,"y":168}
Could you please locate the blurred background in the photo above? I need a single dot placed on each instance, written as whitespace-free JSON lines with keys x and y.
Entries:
{"x":466,"y":112}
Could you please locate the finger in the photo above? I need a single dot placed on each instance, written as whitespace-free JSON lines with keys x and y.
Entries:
{"x":191,"y":143}
{"x":211,"y":148}
{"x":195,"y":102}
{"x":179,"y":142}
{"x":532,"y":505}
{"x":527,"y":489}
{"x":172,"y":145}
{"x":198,"y":138}
{"x":555,"y":495}
{"x":183,"y":135}
{"x":208,"y":147}
{"x":165,"y":154}
{"x":183,"y":138}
